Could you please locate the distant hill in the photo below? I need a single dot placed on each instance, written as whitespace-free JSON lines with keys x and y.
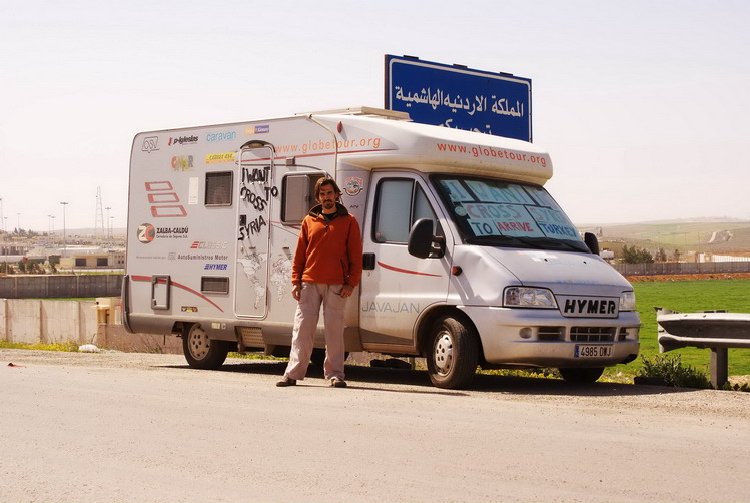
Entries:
{"x":703,"y":235}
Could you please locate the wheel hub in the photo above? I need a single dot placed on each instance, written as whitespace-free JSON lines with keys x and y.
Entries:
{"x":198,"y":343}
{"x":444,"y":353}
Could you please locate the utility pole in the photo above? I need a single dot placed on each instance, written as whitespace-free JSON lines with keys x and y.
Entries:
{"x":65,"y":238}
{"x":109,"y":227}
{"x":52,"y":231}
{"x":99,"y":217}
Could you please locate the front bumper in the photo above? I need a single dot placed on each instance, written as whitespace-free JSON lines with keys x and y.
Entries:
{"x":544,"y":338}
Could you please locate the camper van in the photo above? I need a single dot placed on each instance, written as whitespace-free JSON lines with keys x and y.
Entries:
{"x":467,"y":260}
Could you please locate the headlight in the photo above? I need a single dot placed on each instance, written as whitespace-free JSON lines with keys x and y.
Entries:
{"x":627,"y":301}
{"x":520,"y":296}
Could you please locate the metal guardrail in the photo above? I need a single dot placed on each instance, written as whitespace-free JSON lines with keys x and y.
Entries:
{"x":714,"y":330}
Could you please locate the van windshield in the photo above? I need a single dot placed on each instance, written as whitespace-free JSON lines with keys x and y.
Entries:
{"x":498,"y":213}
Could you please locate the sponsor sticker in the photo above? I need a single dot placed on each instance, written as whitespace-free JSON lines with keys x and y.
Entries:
{"x":182,"y":140}
{"x":258,"y":129}
{"x":150,"y":143}
{"x":182,"y":162}
{"x":221,"y":136}
{"x":353,"y":185}
{"x":220,"y":157}
{"x":148,"y":232}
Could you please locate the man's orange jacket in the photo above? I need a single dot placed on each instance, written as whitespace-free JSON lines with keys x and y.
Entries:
{"x":328,"y":252}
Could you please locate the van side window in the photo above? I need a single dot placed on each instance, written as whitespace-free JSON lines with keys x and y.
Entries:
{"x":297,"y":196}
{"x":219,"y":188}
{"x":400,"y":203}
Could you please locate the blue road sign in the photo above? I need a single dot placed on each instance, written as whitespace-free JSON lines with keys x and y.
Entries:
{"x":459,"y":97}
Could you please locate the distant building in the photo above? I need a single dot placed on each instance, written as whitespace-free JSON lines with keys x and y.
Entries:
{"x":92,"y":257}
{"x":607,"y":254}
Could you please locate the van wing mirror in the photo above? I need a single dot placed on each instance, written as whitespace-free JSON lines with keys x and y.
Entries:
{"x":422,"y":243}
{"x":592,"y":242}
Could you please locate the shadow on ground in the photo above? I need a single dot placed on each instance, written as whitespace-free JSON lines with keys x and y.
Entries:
{"x":356,"y":374}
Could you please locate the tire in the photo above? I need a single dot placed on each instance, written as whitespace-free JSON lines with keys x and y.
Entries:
{"x":453,"y":354}
{"x":200,"y":351}
{"x":582,"y":376}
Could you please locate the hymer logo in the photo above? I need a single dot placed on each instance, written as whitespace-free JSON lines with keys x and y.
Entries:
{"x":592,"y":307}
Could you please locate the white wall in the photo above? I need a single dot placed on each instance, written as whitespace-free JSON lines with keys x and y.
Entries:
{"x":47,"y":321}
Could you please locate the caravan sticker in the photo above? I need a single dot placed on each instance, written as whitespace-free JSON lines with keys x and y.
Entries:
{"x":220,"y":157}
{"x":353,"y":185}
{"x":215,"y":267}
{"x":257,"y":129}
{"x":150,"y":144}
{"x":182,"y":162}
{"x":183,"y":140}
{"x":221,"y":136}
{"x":209,"y":245}
{"x":146,"y":233}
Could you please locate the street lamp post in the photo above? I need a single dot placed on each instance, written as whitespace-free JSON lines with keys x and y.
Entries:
{"x":2,"y":220}
{"x":65,"y":238}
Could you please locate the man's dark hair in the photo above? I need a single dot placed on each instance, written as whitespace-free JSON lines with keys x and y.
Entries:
{"x":326,"y":180}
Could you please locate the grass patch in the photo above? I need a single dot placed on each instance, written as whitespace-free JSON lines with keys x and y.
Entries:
{"x":66,"y":347}
{"x":689,"y":297}
{"x":670,"y":369}
{"x":255,"y":356}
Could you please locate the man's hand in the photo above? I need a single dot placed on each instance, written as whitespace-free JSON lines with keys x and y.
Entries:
{"x":296,"y":289}
{"x":346,"y":291}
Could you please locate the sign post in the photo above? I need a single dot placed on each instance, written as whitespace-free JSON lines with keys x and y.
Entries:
{"x":459,"y":97}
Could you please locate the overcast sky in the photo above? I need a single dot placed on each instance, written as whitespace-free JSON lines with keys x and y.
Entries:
{"x":643,"y":105}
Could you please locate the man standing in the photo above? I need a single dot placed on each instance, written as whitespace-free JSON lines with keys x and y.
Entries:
{"x":327,"y":267}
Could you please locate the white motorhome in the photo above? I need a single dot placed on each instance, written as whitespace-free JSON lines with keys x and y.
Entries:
{"x":468,"y":261}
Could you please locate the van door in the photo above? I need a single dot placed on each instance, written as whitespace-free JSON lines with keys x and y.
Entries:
{"x":253,"y":216}
{"x":397,"y":288}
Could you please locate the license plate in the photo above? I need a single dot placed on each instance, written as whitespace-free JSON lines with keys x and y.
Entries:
{"x":593,"y":351}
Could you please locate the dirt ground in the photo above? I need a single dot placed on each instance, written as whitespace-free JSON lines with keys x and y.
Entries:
{"x":92,"y":427}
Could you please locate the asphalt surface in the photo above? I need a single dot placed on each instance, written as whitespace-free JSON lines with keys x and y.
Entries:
{"x":124,"y":427}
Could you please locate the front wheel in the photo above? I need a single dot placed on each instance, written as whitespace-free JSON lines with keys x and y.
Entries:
{"x":453,"y":354}
{"x":582,"y":376}
{"x":200,"y":351}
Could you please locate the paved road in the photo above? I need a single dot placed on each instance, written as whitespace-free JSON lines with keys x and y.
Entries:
{"x":119,"y":427}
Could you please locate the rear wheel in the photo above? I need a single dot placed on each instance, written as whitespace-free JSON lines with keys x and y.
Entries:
{"x":200,"y":351}
{"x":583,"y":376}
{"x":453,"y":354}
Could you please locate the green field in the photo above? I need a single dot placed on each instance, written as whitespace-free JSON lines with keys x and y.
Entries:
{"x":732,"y":295}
